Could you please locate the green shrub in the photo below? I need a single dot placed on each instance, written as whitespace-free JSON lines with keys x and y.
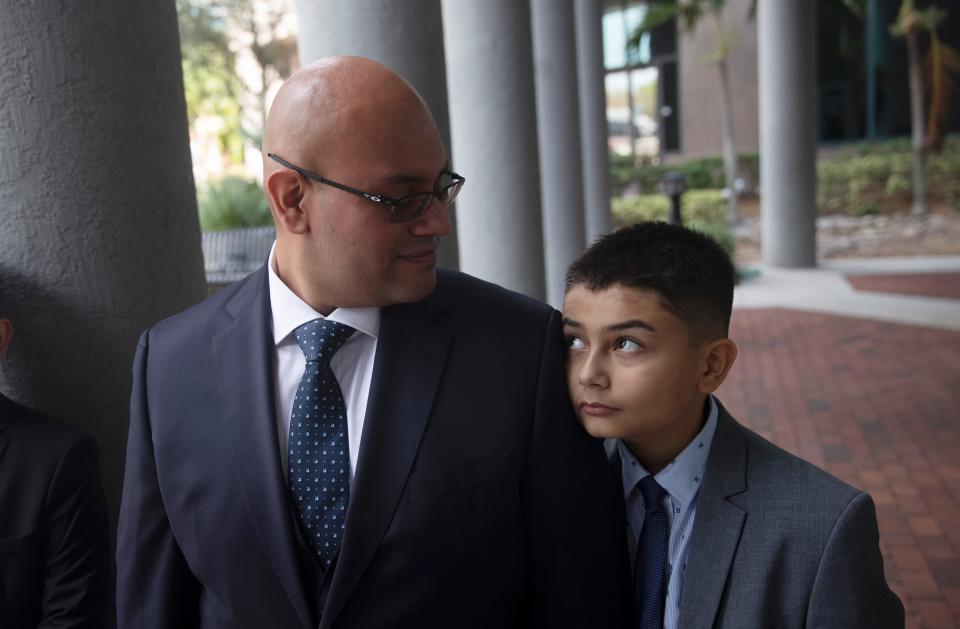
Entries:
{"x":697,"y":206}
{"x":703,"y":210}
{"x":953,"y":194}
{"x":865,"y":209}
{"x":720,"y":233}
{"x":621,"y":170}
{"x":897,"y":184}
{"x":867,"y":174}
{"x":865,"y":178}
{"x":701,"y":174}
{"x":232,"y":203}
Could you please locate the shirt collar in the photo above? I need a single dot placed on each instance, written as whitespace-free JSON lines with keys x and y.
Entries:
{"x":682,"y":477}
{"x":290,"y":312}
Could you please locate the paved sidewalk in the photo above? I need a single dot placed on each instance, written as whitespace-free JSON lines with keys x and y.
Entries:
{"x":866,"y":386}
{"x":826,"y":289}
{"x":943,"y":285}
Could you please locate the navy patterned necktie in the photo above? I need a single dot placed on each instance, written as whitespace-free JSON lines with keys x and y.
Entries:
{"x":319,"y":456}
{"x":650,"y":567}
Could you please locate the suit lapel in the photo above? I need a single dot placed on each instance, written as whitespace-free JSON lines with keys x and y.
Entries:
{"x":411,"y":354}
{"x":241,"y":354}
{"x":716,"y":530}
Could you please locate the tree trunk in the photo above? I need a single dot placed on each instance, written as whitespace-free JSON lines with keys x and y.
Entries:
{"x":729,"y":145}
{"x":917,"y":126}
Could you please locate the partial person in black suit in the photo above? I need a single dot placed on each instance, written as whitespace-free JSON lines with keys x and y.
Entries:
{"x":474,"y":498}
{"x":54,"y":562}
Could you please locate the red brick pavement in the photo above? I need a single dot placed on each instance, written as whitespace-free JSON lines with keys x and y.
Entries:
{"x":878,"y":405}
{"x":924,"y":284}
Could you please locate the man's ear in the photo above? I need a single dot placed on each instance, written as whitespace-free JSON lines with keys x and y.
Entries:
{"x":6,"y":335}
{"x":719,"y":357}
{"x":285,"y":190}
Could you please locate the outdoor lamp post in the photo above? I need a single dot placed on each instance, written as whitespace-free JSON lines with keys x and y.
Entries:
{"x":674,"y":184}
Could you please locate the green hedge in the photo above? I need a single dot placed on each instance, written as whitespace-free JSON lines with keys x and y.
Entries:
{"x":870,"y":174}
{"x":232,"y":203}
{"x":702,"y":174}
{"x":701,"y":206}
{"x":861,"y":179}
{"x":703,"y":210}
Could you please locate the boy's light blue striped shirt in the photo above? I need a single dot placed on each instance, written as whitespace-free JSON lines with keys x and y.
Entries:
{"x":681,"y":479}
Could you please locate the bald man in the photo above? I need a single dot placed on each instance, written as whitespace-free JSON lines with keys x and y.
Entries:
{"x":350,"y":437}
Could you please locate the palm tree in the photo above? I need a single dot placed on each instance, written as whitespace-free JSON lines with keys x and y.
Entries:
{"x":689,"y":13}
{"x":938,"y":68}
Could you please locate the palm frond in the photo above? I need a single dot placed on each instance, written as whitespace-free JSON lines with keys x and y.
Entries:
{"x":857,"y":7}
{"x":691,"y":11}
{"x":658,"y":13}
{"x":942,"y":67}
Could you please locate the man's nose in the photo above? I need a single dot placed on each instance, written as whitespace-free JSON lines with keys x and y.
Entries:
{"x":435,"y":220}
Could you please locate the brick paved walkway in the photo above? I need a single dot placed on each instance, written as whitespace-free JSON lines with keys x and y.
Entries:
{"x":924,"y":284}
{"x":878,"y":405}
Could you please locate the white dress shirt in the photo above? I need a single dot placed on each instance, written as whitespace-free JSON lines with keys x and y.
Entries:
{"x":352,"y":365}
{"x":681,"y":479}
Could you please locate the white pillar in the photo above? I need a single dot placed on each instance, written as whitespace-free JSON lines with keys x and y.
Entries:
{"x":494,"y":127}
{"x":788,"y":131}
{"x":558,"y":130}
{"x":99,"y":235}
{"x":593,"y":118}
{"x":405,"y":36}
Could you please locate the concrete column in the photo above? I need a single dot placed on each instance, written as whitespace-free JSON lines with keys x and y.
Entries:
{"x":593,"y":118}
{"x":99,"y":235}
{"x":558,"y":130}
{"x":493,"y":122}
{"x":788,"y":131}
{"x":405,"y":36}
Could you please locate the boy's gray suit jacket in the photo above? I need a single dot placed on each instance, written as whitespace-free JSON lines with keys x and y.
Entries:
{"x":778,"y":542}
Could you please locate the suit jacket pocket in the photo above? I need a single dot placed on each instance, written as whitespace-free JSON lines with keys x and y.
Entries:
{"x":459,"y":477}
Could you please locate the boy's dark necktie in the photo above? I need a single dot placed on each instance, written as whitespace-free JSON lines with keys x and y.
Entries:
{"x":650,"y":567}
{"x":318,"y":451}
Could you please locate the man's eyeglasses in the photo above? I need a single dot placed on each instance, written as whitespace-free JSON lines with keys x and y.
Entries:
{"x":405,"y":208}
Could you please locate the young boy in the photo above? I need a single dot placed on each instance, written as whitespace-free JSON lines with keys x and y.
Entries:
{"x":724,"y":529}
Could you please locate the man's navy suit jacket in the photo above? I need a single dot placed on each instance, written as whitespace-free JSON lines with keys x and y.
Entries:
{"x":54,"y":557}
{"x":478,"y":500}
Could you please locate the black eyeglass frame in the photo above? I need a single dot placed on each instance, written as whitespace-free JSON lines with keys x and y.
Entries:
{"x":393,"y":202}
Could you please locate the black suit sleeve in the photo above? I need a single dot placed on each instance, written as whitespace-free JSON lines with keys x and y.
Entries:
{"x":77,"y":571}
{"x":850,"y":589}
{"x":155,"y":587}
{"x":575,"y":538}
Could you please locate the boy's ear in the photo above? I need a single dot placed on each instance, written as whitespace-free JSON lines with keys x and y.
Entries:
{"x":719,"y":357}
{"x":285,"y":192}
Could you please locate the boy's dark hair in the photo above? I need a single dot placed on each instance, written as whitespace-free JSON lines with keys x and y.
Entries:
{"x":690,"y":272}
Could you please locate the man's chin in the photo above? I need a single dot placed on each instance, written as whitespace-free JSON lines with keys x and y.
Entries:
{"x":416,"y":288}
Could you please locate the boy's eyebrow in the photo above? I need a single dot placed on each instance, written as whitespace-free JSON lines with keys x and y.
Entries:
{"x":616,"y":327}
{"x":632,"y":323}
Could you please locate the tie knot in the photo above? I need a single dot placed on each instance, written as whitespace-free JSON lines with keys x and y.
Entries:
{"x":321,"y":338}
{"x":652,"y":492}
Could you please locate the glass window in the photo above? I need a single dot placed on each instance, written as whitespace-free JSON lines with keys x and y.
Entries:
{"x":619,"y":132}
{"x":618,"y":23}
{"x":641,"y":84}
{"x":646,"y":112}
